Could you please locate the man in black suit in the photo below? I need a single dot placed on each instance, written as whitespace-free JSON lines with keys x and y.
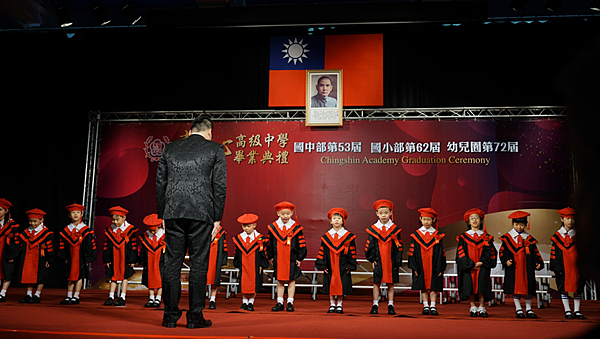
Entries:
{"x":191,"y":183}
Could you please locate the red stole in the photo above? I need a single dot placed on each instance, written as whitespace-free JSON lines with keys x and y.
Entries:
{"x":384,"y":242}
{"x":248,"y":270}
{"x":74,"y":238}
{"x":155,"y":248}
{"x":34,"y":250}
{"x":119,"y":241}
{"x":284,"y":247}
{"x":4,"y":240}
{"x":336,"y":246}
{"x":570,"y":255}
{"x":213,"y":257}
{"x":520,"y":264}
{"x":475,"y":249}
{"x":427,"y":241}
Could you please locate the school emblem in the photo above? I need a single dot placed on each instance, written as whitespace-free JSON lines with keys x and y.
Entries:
{"x":154,"y":147}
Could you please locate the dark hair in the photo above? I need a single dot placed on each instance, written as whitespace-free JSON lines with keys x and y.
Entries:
{"x":325,"y":77}
{"x":433,"y":221}
{"x":341,"y":216}
{"x":520,"y":221}
{"x":469,"y":225}
{"x":202,"y":124}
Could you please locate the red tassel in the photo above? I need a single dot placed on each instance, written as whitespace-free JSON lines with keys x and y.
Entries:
{"x":484,"y":228}
{"x":528,"y":224}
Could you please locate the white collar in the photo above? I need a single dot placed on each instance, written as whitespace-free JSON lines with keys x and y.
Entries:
{"x":340,"y":233}
{"x":79,"y":227}
{"x":252,"y":236}
{"x":388,"y":224}
{"x":431,"y":229}
{"x":471,"y":232}
{"x":122,"y":227}
{"x":37,"y":229}
{"x":563,"y":232}
{"x":288,"y":224}
{"x":158,"y":234}
{"x":514,"y":234}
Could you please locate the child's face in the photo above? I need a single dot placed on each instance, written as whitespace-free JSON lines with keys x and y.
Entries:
{"x":249,"y":228}
{"x":337,"y":222}
{"x":474,"y":221}
{"x":519,"y":226}
{"x":384,"y":214}
{"x":75,"y":216}
{"x":568,"y":222}
{"x":3,"y":212}
{"x":154,"y":231}
{"x":117,"y":220}
{"x":285,"y":215}
{"x":35,"y":222}
{"x":426,"y":222}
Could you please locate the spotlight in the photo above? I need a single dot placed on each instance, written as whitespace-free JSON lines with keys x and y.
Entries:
{"x":100,"y":14}
{"x":518,"y":5}
{"x":63,"y":15}
{"x":595,"y":5}
{"x":129,"y":13}
{"x":553,"y":5}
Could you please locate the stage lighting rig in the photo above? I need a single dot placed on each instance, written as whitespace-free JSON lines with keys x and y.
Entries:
{"x":100,"y":14}
{"x":129,"y":13}
{"x":63,"y":15}
{"x":518,"y":5}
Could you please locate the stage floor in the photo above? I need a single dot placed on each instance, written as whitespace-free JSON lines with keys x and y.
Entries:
{"x":91,"y":319}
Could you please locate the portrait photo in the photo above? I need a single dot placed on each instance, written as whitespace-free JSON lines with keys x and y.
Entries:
{"x":324,"y":98}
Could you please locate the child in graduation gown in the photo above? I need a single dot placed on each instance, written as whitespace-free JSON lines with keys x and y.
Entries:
{"x":216,"y":259}
{"x":250,"y":258}
{"x":475,"y":258}
{"x":152,"y":248}
{"x":337,"y":258}
{"x":384,"y":251}
{"x":563,"y":261}
{"x":37,"y":253}
{"x":427,"y":259}
{"x":287,"y":249}
{"x":120,"y":253}
{"x":8,"y":229}
{"x":520,"y":258}
{"x":77,"y":247}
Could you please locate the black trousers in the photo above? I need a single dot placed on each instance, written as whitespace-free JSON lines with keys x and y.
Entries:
{"x":182,"y":235}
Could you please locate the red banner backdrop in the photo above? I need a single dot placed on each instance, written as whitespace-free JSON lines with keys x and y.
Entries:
{"x":451,"y":166}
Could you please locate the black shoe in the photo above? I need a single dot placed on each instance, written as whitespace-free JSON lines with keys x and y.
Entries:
{"x":290,"y":307}
{"x":425,"y":310}
{"x":433,"y":311}
{"x":169,"y":325}
{"x":278,"y":307}
{"x":119,"y":302}
{"x":202,"y":323}
{"x":339,"y":310}
{"x":250,"y":307}
{"x":244,"y":307}
{"x":35,"y":299}
{"x":26,"y":300}
{"x":374,"y":309}
{"x":2,"y":299}
{"x":75,"y":301}
{"x":331,"y":309}
{"x":157,"y":302}
{"x":109,"y":302}
{"x":483,"y":313}
{"x":65,"y":301}
{"x":212,"y":305}
{"x":579,"y":315}
{"x":520,"y":314}
{"x":473,"y":313}
{"x":150,"y":303}
{"x":531,"y":315}
{"x":569,"y":315}
{"x":391,"y":310}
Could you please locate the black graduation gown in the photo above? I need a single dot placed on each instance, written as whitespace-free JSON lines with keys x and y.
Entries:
{"x":217,"y":257}
{"x":418,"y":246}
{"x":251,"y":260}
{"x":374,"y":253}
{"x":531,"y":256}
{"x":148,"y":248}
{"x":87,"y":250}
{"x":563,"y":262}
{"x":42,"y":247}
{"x":129,"y":239}
{"x":10,"y":250}
{"x":465,"y":265}
{"x":345,"y":251}
{"x":297,"y":249}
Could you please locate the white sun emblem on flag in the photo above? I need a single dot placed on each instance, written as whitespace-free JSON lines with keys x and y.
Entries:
{"x":295,"y":51}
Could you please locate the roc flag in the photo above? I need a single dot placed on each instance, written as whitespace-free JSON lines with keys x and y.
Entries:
{"x":359,"y":56}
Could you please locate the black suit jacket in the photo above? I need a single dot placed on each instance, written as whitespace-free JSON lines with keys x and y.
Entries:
{"x":191,"y":180}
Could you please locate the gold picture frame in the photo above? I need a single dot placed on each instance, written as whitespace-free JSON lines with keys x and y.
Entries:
{"x":324,"y":97}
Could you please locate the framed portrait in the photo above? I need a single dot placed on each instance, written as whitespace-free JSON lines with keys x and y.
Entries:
{"x":324,"y":94}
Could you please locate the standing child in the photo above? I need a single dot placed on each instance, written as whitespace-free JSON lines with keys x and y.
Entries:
{"x":563,"y":261}
{"x":287,"y":249}
{"x":216,"y":259}
{"x":35,"y":243}
{"x":77,"y":247}
{"x":520,"y":258}
{"x":250,"y":258}
{"x":384,"y":251}
{"x":337,"y":257}
{"x":120,"y":254}
{"x":151,"y":258}
{"x":8,"y":229}
{"x":475,"y":258}
{"x":427,"y":259}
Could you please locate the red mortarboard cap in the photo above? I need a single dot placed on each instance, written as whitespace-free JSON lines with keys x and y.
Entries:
{"x":247,"y":218}
{"x":75,"y":207}
{"x":518,"y":215}
{"x":428,"y":212}
{"x":118,"y":210}
{"x":383,"y":203}
{"x":5,"y":203}
{"x":339,"y":211}
{"x":152,"y":221}
{"x":567,"y":212}
{"x":473,"y":211}
{"x":284,"y":205}
{"x":35,"y":213}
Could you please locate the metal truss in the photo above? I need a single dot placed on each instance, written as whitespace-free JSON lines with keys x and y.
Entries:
{"x":349,"y":114}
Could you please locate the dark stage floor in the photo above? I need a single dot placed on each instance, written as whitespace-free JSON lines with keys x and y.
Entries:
{"x":91,"y":319}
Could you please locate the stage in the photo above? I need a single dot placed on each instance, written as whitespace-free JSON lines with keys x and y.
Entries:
{"x":91,"y":319}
